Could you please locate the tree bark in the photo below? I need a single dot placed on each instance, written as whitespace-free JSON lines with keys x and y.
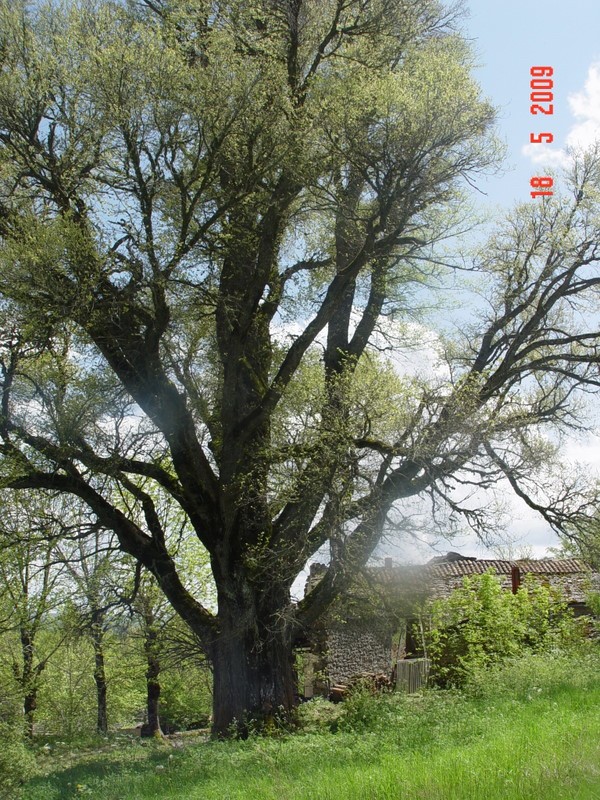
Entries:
{"x":28,"y":680}
{"x":152,"y":725}
{"x":253,"y":665}
{"x":100,"y":677}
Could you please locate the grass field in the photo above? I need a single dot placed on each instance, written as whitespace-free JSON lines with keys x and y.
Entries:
{"x":529,"y":731}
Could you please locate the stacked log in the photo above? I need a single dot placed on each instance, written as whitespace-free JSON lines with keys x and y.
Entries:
{"x":374,"y":682}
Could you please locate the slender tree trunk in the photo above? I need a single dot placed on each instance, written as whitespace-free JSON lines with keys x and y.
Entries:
{"x":100,"y":675}
{"x":152,"y":726}
{"x":151,"y":648}
{"x":253,"y":666}
{"x":29,"y":708}
{"x":28,"y":680}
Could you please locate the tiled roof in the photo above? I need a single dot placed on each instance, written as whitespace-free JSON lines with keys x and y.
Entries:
{"x":416,"y":574}
{"x":549,"y":566}
{"x":440,"y":576}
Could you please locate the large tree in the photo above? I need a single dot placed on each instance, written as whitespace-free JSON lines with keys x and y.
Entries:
{"x":207,"y":211}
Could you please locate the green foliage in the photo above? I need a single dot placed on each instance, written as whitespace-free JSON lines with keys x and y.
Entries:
{"x":185,"y":698}
{"x":318,"y":715}
{"x":11,"y":696}
{"x":360,"y":711}
{"x":16,"y":761}
{"x":66,"y":701}
{"x":593,"y":603}
{"x":67,"y":698}
{"x":482,"y":624}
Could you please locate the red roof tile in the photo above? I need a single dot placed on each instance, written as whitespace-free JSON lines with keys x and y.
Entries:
{"x":462,"y":568}
{"x":566,"y":566}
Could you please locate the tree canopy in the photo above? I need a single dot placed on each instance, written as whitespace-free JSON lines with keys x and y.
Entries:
{"x":207,"y":212}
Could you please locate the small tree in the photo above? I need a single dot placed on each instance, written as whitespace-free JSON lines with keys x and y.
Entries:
{"x":17,"y":764}
{"x":152,"y":612}
{"x":98,"y":574}
{"x":33,"y":583}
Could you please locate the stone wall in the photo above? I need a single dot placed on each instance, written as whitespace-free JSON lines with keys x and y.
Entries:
{"x":574,"y":587}
{"x":353,"y":649}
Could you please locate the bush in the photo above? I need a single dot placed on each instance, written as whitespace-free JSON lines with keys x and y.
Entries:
{"x":318,"y":715}
{"x":16,"y":762}
{"x":185,"y":698}
{"x":482,"y":624}
{"x":361,"y":710}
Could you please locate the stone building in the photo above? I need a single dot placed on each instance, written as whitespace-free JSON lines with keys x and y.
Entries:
{"x":367,"y":631}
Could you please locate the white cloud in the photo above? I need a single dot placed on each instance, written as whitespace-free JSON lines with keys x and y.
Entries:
{"x":545,"y":155}
{"x":583,"y":454}
{"x":585,"y":107}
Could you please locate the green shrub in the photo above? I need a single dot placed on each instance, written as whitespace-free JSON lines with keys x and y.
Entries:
{"x":593,"y":603}
{"x":318,"y":715}
{"x":482,"y":624}
{"x":185,"y":697}
{"x":16,"y":762}
{"x":360,"y":710}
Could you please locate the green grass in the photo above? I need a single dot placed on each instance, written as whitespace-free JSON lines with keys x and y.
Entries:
{"x":529,"y":731}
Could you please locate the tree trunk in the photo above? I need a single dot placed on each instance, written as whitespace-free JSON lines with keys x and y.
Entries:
{"x":100,"y":676}
{"x":253,"y":667}
{"x":29,"y":707}
{"x":152,"y":725}
{"x":28,"y":680}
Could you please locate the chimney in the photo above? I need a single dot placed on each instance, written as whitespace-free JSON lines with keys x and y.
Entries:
{"x":515,"y":574}
{"x":388,"y":563}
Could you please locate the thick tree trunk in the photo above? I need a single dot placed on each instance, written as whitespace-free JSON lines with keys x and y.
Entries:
{"x":100,"y":677}
{"x":253,"y":669}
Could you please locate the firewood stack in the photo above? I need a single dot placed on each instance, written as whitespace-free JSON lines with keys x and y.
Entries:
{"x":375,"y":682}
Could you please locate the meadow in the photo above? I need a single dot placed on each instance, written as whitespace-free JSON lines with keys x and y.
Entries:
{"x":527,"y":730}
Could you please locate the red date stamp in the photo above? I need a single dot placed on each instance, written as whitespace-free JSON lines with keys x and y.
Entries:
{"x":541,"y":96}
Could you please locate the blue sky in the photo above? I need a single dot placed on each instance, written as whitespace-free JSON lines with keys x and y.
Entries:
{"x":511,"y":36}
{"x":508,"y":38}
